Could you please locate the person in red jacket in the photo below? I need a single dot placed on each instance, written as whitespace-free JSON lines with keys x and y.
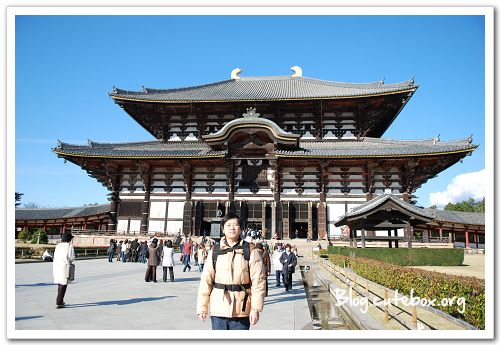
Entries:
{"x":187,"y":250}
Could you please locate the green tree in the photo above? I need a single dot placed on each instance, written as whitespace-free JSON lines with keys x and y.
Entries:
{"x":40,"y":237}
{"x":24,"y":235}
{"x":31,"y":204}
{"x":469,"y":205}
{"x":18,"y":198}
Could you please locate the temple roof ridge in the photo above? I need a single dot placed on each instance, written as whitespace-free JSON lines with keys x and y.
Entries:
{"x":264,"y":88}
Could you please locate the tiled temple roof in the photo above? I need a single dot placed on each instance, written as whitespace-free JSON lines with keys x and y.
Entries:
{"x":379,"y":200}
{"x":57,"y":213}
{"x":264,"y":88}
{"x":457,"y":217}
{"x":468,"y":218}
{"x":376,"y":147}
{"x":150,"y":149}
{"x":365,"y":147}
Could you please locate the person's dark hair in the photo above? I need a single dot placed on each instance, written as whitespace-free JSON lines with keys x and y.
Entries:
{"x":66,"y":237}
{"x":169,"y":243}
{"x":227,"y":217}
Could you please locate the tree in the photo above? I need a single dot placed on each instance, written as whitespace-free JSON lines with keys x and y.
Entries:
{"x":40,"y":236}
{"x":18,"y":198}
{"x":469,"y":205}
{"x":24,"y":235}
{"x":434,"y":207}
{"x":31,"y":205}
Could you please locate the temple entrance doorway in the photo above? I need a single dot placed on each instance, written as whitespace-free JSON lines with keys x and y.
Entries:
{"x":299,"y":230}
{"x":205,"y":228}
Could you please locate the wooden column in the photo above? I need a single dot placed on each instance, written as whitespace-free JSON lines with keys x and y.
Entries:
{"x":309,"y":220}
{"x":410,"y":235}
{"x":476,"y":238}
{"x":389,"y":234}
{"x":322,"y":221}
{"x":322,"y":207}
{"x":264,"y":229}
{"x":467,"y":244}
{"x":363,"y":244}
{"x":146,"y":179}
{"x":276,"y":207}
{"x":440,"y":231}
{"x":230,"y":179}
{"x":187,"y":220}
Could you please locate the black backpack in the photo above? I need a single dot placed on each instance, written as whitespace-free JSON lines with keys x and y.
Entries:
{"x":247,"y":249}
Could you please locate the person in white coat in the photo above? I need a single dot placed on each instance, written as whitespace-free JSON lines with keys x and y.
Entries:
{"x":278,"y":266}
{"x":167,"y":260}
{"x":64,"y":255}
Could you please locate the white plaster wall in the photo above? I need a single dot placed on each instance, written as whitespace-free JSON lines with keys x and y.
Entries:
{"x":121,"y":227}
{"x":157,"y":209}
{"x":175,"y":209}
{"x":135,"y":226}
{"x":173,"y":226}
{"x":156,"y":226}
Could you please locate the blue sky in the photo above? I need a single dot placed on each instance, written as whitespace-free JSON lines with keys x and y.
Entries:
{"x":66,"y":65}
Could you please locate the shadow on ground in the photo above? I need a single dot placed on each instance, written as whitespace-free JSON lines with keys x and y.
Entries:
{"x":117,"y":302}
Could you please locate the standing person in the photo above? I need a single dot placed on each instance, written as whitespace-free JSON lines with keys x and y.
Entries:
{"x":124,"y":251}
{"x":111,"y":250}
{"x":232,"y":282}
{"x":143,"y":248}
{"x":289,"y":261}
{"x":64,"y":255}
{"x":278,"y":266}
{"x":266,"y":262}
{"x":119,"y":251}
{"x":195,"y":253}
{"x":167,"y":260}
{"x":153,"y":261}
{"x":187,"y":250}
{"x":202,"y":256}
{"x":135,"y":249}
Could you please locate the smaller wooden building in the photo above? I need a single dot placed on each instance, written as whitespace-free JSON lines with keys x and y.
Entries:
{"x":389,"y":218}
{"x":56,"y":221}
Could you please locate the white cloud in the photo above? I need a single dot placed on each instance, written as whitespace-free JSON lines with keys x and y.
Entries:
{"x":462,"y":187}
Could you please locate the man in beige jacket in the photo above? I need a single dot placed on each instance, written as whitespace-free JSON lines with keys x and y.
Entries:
{"x":235,"y":289}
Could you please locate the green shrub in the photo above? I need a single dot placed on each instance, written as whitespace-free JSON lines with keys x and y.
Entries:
{"x":24,"y":235}
{"x":406,"y":256}
{"x":425,"y":284}
{"x":40,"y":236}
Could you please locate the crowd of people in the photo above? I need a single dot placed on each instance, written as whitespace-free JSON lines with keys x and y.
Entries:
{"x":211,"y":259}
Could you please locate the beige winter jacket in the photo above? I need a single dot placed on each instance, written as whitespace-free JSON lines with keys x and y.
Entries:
{"x":231,"y":268}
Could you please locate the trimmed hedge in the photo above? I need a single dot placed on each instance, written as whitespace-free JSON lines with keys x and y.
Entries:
{"x":425,"y":284}
{"x":406,"y":256}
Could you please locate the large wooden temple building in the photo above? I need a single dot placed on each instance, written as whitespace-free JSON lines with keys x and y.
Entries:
{"x":289,"y":154}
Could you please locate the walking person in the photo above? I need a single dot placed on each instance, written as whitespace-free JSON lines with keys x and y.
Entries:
{"x":124,"y":251}
{"x":202,"y":256}
{"x":232,"y":282}
{"x":64,"y":255}
{"x":143,"y":248}
{"x":266,"y":261}
{"x":289,"y":261}
{"x":278,"y":266}
{"x":167,"y":261}
{"x":187,"y":250}
{"x":153,"y":261}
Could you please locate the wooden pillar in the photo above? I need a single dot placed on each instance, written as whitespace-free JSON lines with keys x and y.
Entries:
{"x":363,"y":244}
{"x":114,"y":199}
{"x":440,"y":231}
{"x":309,"y":220}
{"x":409,"y":236}
{"x":85,"y":220}
{"x":322,"y":221}
{"x":389,"y":234}
{"x":476,"y":238}
{"x":273,"y":220}
{"x":467,"y":244}
{"x":264,"y":229}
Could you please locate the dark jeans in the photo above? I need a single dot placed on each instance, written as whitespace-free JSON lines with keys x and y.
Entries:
{"x":185,"y":260}
{"x":61,"y":291}
{"x":287,"y":280}
{"x":171,"y":270}
{"x":150,"y":273}
{"x":278,"y":278}
{"x":110,"y":256}
{"x":231,"y":323}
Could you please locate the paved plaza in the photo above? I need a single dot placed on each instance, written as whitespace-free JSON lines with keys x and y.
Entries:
{"x":114,"y":296}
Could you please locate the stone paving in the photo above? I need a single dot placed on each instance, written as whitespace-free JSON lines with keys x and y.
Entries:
{"x":114,"y":296}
